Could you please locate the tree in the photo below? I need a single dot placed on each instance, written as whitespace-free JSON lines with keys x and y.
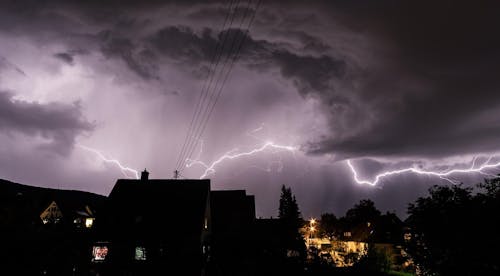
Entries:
{"x":289,"y":214}
{"x":455,"y":232}
{"x":289,"y":209}
{"x":375,"y":260}
{"x":363,"y":212}
{"x":360,"y":220}
{"x":328,"y":225}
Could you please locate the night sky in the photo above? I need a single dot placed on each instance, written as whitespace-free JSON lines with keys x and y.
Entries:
{"x":385,"y":84}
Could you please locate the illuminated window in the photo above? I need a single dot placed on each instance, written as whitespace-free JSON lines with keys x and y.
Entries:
{"x":407,"y":236}
{"x":99,"y":253}
{"x":89,"y":222}
{"x":347,"y":234}
{"x":140,"y":253}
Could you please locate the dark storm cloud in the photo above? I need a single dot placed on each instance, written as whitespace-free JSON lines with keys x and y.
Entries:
{"x":139,"y":60}
{"x":66,"y":57}
{"x":58,"y":123}
{"x":181,"y":43}
{"x":438,"y":73}
{"x":431,"y":70}
{"x":307,"y":71}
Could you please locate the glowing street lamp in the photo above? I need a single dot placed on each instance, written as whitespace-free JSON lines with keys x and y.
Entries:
{"x":312,"y":228}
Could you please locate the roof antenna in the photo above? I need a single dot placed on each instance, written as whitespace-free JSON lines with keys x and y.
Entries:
{"x":144,"y":175}
{"x":176,"y":174}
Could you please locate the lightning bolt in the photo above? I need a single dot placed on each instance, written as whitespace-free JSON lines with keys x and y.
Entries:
{"x":126,"y":171}
{"x":234,"y":154}
{"x":441,"y":174}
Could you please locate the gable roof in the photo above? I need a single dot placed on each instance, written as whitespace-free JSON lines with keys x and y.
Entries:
{"x":161,"y":205}
{"x":52,"y":212}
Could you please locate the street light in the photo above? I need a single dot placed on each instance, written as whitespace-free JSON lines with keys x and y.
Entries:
{"x":312,"y":228}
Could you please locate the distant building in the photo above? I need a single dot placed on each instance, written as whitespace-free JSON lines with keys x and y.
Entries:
{"x":70,"y":214}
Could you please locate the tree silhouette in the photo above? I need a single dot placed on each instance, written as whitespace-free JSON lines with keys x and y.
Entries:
{"x":455,"y":232}
{"x":289,"y":214}
{"x":360,"y":220}
{"x":328,"y":225}
{"x":363,"y":212}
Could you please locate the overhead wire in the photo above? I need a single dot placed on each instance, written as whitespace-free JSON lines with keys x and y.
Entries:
{"x":217,"y":93}
{"x":211,"y":70}
{"x":207,"y":91}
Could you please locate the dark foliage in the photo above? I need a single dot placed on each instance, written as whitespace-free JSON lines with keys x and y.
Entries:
{"x":289,"y":214}
{"x":455,"y":232}
{"x":328,"y":225}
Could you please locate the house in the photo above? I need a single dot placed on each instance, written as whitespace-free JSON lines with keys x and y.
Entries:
{"x":76,"y":214}
{"x":233,"y":218}
{"x":158,"y":224}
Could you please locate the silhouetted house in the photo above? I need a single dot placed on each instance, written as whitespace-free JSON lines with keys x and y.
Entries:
{"x":232,"y":211}
{"x":31,"y":247}
{"x":233,"y":216}
{"x":158,"y":224}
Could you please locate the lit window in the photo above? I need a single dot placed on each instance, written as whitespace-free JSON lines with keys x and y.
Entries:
{"x":407,"y":236}
{"x":140,"y":253}
{"x":89,"y":222}
{"x":347,"y":234}
{"x":99,"y":253}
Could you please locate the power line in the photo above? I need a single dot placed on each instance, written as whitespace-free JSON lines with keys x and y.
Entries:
{"x":207,"y":108}
{"x":206,"y":94}
{"x":215,"y":60}
{"x":225,"y":78}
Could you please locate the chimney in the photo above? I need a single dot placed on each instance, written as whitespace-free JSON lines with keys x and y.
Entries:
{"x":144,"y":175}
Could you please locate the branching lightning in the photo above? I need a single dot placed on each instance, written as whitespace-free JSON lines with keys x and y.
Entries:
{"x":441,"y":174}
{"x":126,"y":171}
{"x":210,"y":169}
{"x":235,"y":154}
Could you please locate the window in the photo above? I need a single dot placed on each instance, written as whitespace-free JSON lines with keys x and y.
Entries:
{"x":347,"y":234}
{"x":140,"y":253}
{"x":89,"y":222}
{"x":99,"y":253}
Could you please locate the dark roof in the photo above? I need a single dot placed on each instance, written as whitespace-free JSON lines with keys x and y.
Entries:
{"x":231,"y":210}
{"x":161,"y":205}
